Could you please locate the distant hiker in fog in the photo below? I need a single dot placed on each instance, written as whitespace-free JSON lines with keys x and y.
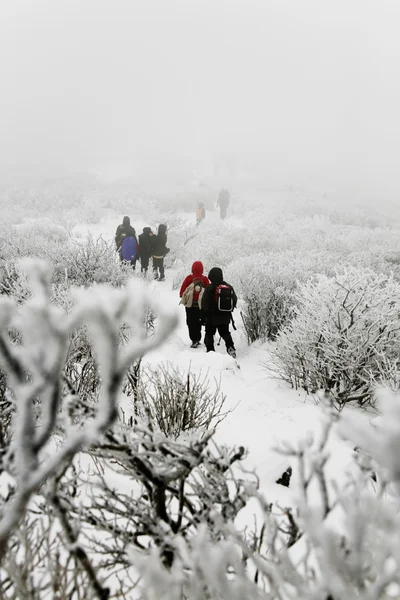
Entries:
{"x":223,"y":202}
{"x":145,"y":248}
{"x":126,"y":242}
{"x":200,"y":213}
{"x":159,"y":251}
{"x":217,"y":304}
{"x":191,"y":293}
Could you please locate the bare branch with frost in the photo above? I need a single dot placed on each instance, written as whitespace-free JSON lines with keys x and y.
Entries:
{"x":35,"y":369}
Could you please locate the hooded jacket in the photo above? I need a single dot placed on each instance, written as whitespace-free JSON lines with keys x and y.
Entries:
{"x":124,"y":230}
{"x":145,"y":240}
{"x":209,"y":302}
{"x":159,"y":242}
{"x":196,"y":275}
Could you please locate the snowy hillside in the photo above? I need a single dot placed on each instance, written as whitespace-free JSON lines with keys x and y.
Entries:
{"x":120,"y":470}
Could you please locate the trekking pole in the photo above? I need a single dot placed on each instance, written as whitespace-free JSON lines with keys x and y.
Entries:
{"x":233,"y":323}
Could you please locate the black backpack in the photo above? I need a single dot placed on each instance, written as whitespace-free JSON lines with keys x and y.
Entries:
{"x":224,"y":298}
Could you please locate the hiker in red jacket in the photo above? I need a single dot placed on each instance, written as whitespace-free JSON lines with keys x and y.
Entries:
{"x":191,"y":292}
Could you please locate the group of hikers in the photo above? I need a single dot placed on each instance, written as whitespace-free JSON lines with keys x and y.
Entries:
{"x":149,"y":245}
{"x":209,"y":301}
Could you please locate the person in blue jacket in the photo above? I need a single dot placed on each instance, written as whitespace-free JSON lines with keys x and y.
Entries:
{"x":126,"y":242}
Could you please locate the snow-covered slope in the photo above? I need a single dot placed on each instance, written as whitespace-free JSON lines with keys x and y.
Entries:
{"x":264,"y":411}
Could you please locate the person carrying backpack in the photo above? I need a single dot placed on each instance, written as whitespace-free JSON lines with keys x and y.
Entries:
{"x":159,"y":251}
{"x":217,"y":304}
{"x":200,"y":213}
{"x":145,"y":246}
{"x":126,"y":242}
{"x":191,"y":293}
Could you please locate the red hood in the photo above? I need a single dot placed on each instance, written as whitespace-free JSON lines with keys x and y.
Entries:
{"x":197,"y":268}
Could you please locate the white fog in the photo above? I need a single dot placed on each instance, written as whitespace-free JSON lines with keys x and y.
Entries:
{"x":298,"y":93}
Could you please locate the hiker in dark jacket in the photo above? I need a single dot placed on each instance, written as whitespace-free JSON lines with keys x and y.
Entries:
{"x":215,"y":319}
{"x":193,"y":314}
{"x":145,"y":247}
{"x":123,"y":231}
{"x":223,"y":202}
{"x":159,"y":250}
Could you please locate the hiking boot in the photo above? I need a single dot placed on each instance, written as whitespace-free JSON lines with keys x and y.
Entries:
{"x":231,"y":351}
{"x":161,"y":279}
{"x":195,"y":344}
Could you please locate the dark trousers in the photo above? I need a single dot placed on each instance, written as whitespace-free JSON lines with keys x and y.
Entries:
{"x":144,"y":261}
{"x":158,"y":265}
{"x":193,"y":321}
{"x":223,"y":331}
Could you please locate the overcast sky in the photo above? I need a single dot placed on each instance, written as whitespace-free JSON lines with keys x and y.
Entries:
{"x":308,"y":90}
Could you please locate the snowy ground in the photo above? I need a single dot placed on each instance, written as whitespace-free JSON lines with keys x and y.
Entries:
{"x":264,"y":411}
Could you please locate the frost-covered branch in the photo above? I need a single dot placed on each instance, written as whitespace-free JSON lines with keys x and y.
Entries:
{"x":35,"y":373}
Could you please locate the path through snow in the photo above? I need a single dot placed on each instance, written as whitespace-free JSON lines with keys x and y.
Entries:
{"x":264,"y":410}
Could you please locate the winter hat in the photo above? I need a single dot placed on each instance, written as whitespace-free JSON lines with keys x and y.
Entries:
{"x":126,"y":221}
{"x":197,"y":268}
{"x":147,"y":230}
{"x":216,"y":276}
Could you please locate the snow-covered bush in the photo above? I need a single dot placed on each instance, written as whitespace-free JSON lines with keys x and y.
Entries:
{"x":267,"y":311}
{"x":341,"y":542}
{"x":41,"y":228}
{"x":34,"y":367}
{"x":149,"y":490}
{"x":148,"y":507}
{"x":179,"y":403}
{"x":344,"y":329}
{"x":35,"y":566}
{"x":266,"y":285}
{"x":80,"y":263}
{"x":266,"y":295}
{"x":13,"y":282}
{"x":93,"y":261}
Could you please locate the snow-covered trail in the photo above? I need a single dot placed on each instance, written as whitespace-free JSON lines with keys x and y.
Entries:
{"x":264,"y":410}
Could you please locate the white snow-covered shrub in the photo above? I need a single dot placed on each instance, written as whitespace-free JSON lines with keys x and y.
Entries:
{"x":266,"y":310}
{"x":81,"y":263}
{"x":45,"y":228}
{"x":34,"y":367}
{"x":37,"y":567}
{"x":341,"y":542}
{"x":178,"y":402}
{"x":13,"y":282}
{"x":93,"y":260}
{"x":266,"y":285}
{"x":146,"y":491}
{"x":342,"y":329}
